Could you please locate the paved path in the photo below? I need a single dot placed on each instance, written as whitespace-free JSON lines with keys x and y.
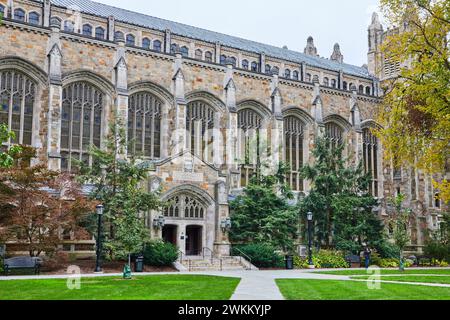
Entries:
{"x":254,"y":285}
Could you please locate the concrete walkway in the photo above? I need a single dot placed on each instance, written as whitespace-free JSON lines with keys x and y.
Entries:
{"x":254,"y":285}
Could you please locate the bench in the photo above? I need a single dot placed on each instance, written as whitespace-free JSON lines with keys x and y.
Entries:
{"x":22,"y":263}
{"x":353,"y":261}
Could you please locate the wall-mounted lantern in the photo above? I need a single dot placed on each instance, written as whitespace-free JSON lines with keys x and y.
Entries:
{"x":225,"y":225}
{"x":159,"y":223}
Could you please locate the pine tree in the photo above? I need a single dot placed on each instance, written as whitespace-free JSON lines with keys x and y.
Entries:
{"x":340,"y":201}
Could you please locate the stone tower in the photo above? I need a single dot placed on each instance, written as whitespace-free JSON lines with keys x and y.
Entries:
{"x":375,"y":35}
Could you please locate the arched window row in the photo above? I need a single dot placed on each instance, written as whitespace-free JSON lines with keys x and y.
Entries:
{"x":144,"y":125}
{"x":81,"y":123}
{"x":17,"y":96}
{"x":184,"y":206}
{"x":21,"y":15}
{"x":199,"y":125}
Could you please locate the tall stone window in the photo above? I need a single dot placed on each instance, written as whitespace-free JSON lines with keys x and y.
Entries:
{"x":87,"y":30}
{"x":334,"y":133}
{"x":250,"y":125}
{"x":293,"y":148}
{"x":370,"y":156}
{"x":199,"y":125}
{"x":157,"y":46}
{"x":208,"y":56}
{"x":146,"y":43}
{"x":184,"y":206}
{"x":81,"y":123}
{"x":17,"y":97}
{"x":33,"y":18}
{"x":144,"y":125}
{"x":19,"y":15}
{"x":100,"y":33}
{"x":368,"y":91}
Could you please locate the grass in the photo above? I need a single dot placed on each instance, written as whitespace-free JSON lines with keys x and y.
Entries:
{"x":350,"y":290}
{"x":353,"y":272}
{"x":406,"y":278}
{"x":164,"y":287}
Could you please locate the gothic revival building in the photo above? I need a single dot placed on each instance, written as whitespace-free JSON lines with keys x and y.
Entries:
{"x":203,"y":108}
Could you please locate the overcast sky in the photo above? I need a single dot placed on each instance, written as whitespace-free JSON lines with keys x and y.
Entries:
{"x":279,"y":23}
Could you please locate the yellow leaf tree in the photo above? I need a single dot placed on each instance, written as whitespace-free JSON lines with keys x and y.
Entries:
{"x":415,"y":115}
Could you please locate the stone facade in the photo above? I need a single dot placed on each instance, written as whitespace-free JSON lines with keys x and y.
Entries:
{"x":202,"y":169}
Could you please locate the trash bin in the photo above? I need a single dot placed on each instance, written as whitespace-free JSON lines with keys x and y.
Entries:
{"x":289,"y":262}
{"x":139,"y":264}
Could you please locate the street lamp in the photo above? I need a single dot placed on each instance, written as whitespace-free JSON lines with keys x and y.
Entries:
{"x":310,"y":220}
{"x":99,"y":209}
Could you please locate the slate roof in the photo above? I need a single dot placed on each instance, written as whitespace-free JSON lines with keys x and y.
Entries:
{"x":102,"y":10}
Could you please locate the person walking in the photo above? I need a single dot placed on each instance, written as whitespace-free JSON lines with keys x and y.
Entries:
{"x":367,"y":254}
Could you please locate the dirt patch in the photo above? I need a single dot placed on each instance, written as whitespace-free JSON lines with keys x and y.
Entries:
{"x":88,"y":266}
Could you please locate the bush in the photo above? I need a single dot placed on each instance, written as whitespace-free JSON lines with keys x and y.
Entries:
{"x":262,"y":255}
{"x":323,"y":259}
{"x":438,"y":251}
{"x":160,"y":254}
{"x":55,"y":261}
{"x":388,"y":250}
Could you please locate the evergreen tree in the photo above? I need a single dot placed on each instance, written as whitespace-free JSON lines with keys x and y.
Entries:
{"x":262,"y":213}
{"x":118,"y":183}
{"x":340,"y":201}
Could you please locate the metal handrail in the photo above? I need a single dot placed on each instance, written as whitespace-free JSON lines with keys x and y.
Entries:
{"x":212,"y":253}
{"x":246,"y":256}
{"x":181,"y":256}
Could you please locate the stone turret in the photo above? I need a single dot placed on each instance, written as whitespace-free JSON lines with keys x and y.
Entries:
{"x":310,"y":49}
{"x":337,"y":55}
{"x":375,"y":35}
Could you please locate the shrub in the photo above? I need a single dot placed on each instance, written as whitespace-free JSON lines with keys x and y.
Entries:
{"x":438,"y":251}
{"x":160,"y":254}
{"x":388,"y":250}
{"x":262,"y":255}
{"x":323,"y":259}
{"x":55,"y":261}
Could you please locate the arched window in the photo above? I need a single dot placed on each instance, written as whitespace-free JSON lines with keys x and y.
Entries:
{"x":208,"y":56}
{"x":308,"y":77}
{"x":315,"y":79}
{"x":268,"y":68}
{"x":17,"y":96}
{"x":351,"y":87}
{"x":275,"y":70}
{"x":199,"y":125}
{"x":69,"y":26}
{"x":131,"y":40}
{"x":250,"y":125}
{"x":199,"y":54}
{"x":146,"y":43}
{"x":87,"y":30}
{"x":81,"y":123}
{"x":233,"y":61}
{"x":184,"y":51}
{"x":173,"y":48}
{"x":287,"y":73}
{"x":184,"y":206}
{"x":245,"y":64}
{"x":157,"y":46}
{"x":370,"y":154}
{"x":118,"y":35}
{"x":144,"y":125}
{"x":19,"y":15}
{"x":295,"y":75}
{"x":344,"y":85}
{"x":223,"y":59}
{"x":334,"y":133}
{"x":293,"y":147}
{"x":368,"y":91}
{"x":333,"y":83}
{"x":255,"y":66}
{"x":361,"y":89}
{"x":33,"y":18}
{"x":326,"y":82}
{"x":100,"y":33}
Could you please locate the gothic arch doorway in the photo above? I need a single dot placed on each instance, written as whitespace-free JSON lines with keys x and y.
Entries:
{"x":194,"y":240}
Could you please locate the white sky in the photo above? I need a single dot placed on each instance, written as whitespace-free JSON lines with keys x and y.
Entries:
{"x":281,"y":22}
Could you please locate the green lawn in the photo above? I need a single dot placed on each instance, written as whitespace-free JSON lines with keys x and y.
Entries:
{"x":351,"y":290}
{"x":353,"y":272}
{"x":164,"y":287}
{"x":408,"y":278}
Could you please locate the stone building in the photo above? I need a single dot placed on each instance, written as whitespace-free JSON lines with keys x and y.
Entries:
{"x":203,"y":108}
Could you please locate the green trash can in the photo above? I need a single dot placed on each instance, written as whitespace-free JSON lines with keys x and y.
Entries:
{"x":289,"y":262}
{"x":139,"y":264}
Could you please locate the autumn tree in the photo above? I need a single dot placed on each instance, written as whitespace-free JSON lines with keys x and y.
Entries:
{"x":38,"y":204}
{"x":415,"y":115}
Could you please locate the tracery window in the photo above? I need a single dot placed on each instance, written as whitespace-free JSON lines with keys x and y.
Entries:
{"x":144,"y":125}
{"x":157,"y":45}
{"x":19,"y":15}
{"x":334,"y":133}
{"x":33,"y":18}
{"x":87,"y":30}
{"x":198,"y":54}
{"x":17,"y":96}
{"x":81,"y":123}
{"x":199,"y":124}
{"x":250,"y":125}
{"x":100,"y":33}
{"x":184,"y":206}
{"x":370,"y":154}
{"x":146,"y":43}
{"x":293,"y":147}
{"x":208,"y":56}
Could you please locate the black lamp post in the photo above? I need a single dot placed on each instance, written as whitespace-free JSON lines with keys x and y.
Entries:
{"x":310,"y":220}
{"x":98,"y":267}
